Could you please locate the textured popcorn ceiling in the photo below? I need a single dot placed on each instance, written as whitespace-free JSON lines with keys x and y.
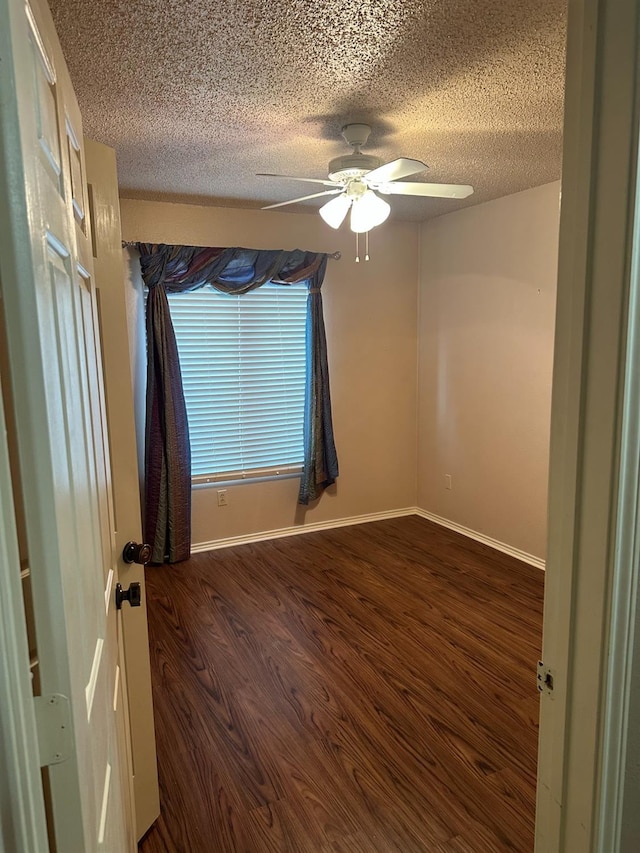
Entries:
{"x":196,"y":96}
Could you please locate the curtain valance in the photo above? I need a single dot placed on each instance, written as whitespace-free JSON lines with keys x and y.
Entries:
{"x":184,"y":268}
{"x":179,"y":269}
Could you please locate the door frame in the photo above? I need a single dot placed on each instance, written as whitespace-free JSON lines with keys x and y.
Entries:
{"x":592,"y":457}
{"x":125,"y":476}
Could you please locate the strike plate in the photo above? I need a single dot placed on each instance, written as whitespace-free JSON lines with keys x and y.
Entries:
{"x":53,"y":721}
{"x":545,"y":678}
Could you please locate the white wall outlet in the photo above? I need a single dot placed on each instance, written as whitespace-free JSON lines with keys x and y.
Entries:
{"x":222,"y":497}
{"x":447,"y":482}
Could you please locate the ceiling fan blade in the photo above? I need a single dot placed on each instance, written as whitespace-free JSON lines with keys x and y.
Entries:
{"x":400,"y":168}
{"x":433,"y":190}
{"x":295,"y":178}
{"x":302,"y":198}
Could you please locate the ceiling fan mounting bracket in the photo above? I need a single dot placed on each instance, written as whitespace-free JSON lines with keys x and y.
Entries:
{"x":356,"y":135}
{"x":355,"y":165}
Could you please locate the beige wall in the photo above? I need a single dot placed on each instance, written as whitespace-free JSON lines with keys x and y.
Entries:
{"x":370,"y":316}
{"x":486,"y":325}
{"x":477,"y":288}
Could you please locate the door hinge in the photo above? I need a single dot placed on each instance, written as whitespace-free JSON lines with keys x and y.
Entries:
{"x":53,"y":722}
{"x":545,"y":678}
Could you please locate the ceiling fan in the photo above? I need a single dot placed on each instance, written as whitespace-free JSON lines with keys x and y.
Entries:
{"x":358,"y":179}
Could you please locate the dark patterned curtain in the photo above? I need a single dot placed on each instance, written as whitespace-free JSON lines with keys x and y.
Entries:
{"x":320,"y":460}
{"x":177,"y":269}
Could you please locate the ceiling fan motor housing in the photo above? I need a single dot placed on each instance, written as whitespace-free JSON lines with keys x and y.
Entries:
{"x":350,"y":166}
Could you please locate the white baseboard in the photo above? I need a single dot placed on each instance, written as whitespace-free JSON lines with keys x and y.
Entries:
{"x":199,"y":547}
{"x":214,"y":545}
{"x":480,"y":537}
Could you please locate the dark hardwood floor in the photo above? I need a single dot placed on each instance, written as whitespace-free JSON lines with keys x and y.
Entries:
{"x":361,"y":690}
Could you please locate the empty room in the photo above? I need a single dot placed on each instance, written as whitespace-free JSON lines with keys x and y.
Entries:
{"x":299,"y":393}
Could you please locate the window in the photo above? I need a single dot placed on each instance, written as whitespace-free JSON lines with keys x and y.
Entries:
{"x":243,"y":369}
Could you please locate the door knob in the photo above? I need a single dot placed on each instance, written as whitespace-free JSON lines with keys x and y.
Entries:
{"x":133,"y":595}
{"x":135,"y":553}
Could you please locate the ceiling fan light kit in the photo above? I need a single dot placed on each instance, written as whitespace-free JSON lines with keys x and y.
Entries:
{"x":368,"y":211}
{"x":334,"y":211}
{"x":356,"y":179}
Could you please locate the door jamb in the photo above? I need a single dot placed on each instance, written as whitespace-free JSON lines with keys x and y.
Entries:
{"x":585,"y":504}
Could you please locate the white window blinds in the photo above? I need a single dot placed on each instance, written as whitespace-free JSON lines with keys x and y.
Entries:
{"x":243,"y":369}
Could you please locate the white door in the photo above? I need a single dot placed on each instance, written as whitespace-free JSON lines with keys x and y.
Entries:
{"x":51,"y":324}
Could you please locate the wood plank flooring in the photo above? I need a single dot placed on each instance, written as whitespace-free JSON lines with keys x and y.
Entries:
{"x":366,"y":689}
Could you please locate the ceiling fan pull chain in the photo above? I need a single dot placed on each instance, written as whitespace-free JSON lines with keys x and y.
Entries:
{"x":366,"y":245}
{"x":357,"y":248}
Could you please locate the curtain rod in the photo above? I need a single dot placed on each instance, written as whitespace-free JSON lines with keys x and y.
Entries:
{"x":132,"y":244}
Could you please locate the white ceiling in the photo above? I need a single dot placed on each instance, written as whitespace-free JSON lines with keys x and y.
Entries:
{"x":196,"y":96}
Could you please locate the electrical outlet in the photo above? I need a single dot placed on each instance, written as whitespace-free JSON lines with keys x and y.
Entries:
{"x":447,"y":482}
{"x":222,"y":497}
